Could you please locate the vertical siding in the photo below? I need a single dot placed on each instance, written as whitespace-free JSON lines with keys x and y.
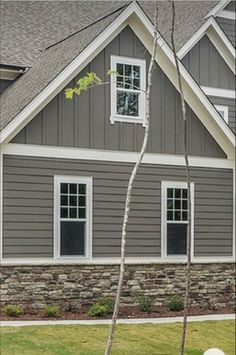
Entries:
{"x":228,"y":26}
{"x":207,"y":66}
{"x":231,"y":105}
{"x":28,"y":207}
{"x":85,"y":121}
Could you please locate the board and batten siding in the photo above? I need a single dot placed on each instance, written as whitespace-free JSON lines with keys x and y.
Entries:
{"x":85,"y":121}
{"x":230,"y":103}
{"x":28,"y":185}
{"x":208,"y":67}
{"x":228,"y":26}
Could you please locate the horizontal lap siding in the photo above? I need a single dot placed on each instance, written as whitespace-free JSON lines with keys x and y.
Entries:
{"x":230,"y":103}
{"x":28,"y":207}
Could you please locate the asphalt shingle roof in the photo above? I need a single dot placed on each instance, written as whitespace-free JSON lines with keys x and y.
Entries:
{"x":48,"y":35}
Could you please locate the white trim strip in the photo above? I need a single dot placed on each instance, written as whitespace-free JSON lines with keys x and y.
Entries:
{"x":113,"y":156}
{"x":230,"y":15}
{"x":115,"y":261}
{"x":222,"y":4}
{"x":210,"y":91}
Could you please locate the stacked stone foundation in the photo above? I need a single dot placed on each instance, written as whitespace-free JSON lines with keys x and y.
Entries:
{"x":212,"y":285}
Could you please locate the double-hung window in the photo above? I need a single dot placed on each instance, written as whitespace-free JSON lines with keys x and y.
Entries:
{"x":73,"y":197}
{"x":175,"y":211}
{"x":128,"y":85}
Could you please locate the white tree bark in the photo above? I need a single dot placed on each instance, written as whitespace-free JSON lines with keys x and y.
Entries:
{"x":188,"y":177}
{"x":129,"y":193}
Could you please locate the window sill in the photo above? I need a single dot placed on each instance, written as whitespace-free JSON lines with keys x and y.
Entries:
{"x":126,"y":119}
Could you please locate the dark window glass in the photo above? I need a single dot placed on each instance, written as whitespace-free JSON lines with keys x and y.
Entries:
{"x":177,"y":215}
{"x":128,"y":69}
{"x":72,"y":238}
{"x":82,"y":189}
{"x":169,"y":193}
{"x":184,"y":216}
{"x":127,"y":104}
{"x":64,"y":200}
{"x":119,"y":69}
{"x":81,"y":201}
{"x":73,"y":212}
{"x":170,"y":204}
{"x":184,"y":204}
{"x":177,"y":204}
{"x":136,"y":71}
{"x":177,"y":193}
{"x":73,"y":200}
{"x":73,"y":188}
{"x":128,"y":83}
{"x":169,"y":215}
{"x":176,"y":238}
{"x":64,"y":212}
{"x":82,"y":213}
{"x":120,"y":82}
{"x":184,"y":193}
{"x":136,"y":84}
{"x":64,"y":188}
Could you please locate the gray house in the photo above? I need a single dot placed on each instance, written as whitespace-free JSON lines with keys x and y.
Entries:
{"x":65,"y":164}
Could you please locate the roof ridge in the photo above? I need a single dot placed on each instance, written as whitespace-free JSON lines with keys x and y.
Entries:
{"x":84,"y":28}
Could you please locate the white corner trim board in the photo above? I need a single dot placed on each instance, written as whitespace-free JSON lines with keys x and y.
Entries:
{"x":206,"y":112}
{"x":113,"y":156}
{"x":210,"y":91}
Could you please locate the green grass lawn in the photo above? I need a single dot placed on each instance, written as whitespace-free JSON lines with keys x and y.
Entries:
{"x":130,"y":339}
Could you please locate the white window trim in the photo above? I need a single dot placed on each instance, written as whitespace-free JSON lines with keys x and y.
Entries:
{"x":210,"y":91}
{"x":164,"y":186}
{"x":225,"y":110}
{"x":88,"y":235}
{"x":142,"y":101}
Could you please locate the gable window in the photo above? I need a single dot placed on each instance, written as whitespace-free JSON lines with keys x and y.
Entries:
{"x":72,"y":216}
{"x":223,"y":111}
{"x":175,"y":218}
{"x":128,"y":87}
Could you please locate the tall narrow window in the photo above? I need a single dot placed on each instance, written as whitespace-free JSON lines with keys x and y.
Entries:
{"x":175,"y":218}
{"x":128,"y":86}
{"x":73,"y":217}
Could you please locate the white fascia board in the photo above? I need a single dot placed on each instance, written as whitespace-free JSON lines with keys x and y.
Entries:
{"x":230,"y":15}
{"x":218,"y":39}
{"x":112,"y":156}
{"x":30,"y":111}
{"x":9,"y":74}
{"x":210,"y":91}
{"x":221,"y":5}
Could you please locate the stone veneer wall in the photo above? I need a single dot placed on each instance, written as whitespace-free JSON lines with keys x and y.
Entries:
{"x":212,"y":284}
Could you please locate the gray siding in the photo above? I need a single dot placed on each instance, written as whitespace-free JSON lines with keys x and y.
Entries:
{"x":207,"y":66}
{"x":85,"y":122}
{"x":231,"y":105}
{"x":228,"y":26}
{"x":28,"y":207}
{"x":4,"y":84}
{"x":230,"y":6}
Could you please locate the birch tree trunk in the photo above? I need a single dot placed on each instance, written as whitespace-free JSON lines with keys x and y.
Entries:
{"x":188,"y":177}
{"x":129,"y":192}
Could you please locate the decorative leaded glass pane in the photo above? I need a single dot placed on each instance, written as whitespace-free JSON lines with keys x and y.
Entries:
{"x":127,"y":104}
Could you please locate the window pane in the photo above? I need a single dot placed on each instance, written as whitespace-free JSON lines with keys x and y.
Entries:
{"x":119,"y":83}
{"x":184,"y":204}
{"x":82,"y":213}
{"x":64,"y":212}
{"x":72,"y":238}
{"x":136,"y":84}
{"x":127,"y":103}
{"x":184,"y":216}
{"x":82,"y":189}
{"x":64,"y":200}
{"x":128,"y":83}
{"x":177,"y":215}
{"x":184,"y":193}
{"x":136,"y":71}
{"x":169,"y":192}
{"x":177,"y":204}
{"x":81,"y":200}
{"x":73,"y":212}
{"x":170,"y":204}
{"x":73,"y":188}
{"x":169,"y":216}
{"x":176,"y":239}
{"x":119,"y":69}
{"x":128,"y":69}
{"x":177,"y":193}
{"x":73,"y":200}
{"x":64,"y":188}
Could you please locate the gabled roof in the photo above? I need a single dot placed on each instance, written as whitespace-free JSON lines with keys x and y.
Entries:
{"x":61,"y":62}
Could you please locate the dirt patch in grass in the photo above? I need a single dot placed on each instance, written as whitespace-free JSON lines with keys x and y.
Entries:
{"x":125,"y":312}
